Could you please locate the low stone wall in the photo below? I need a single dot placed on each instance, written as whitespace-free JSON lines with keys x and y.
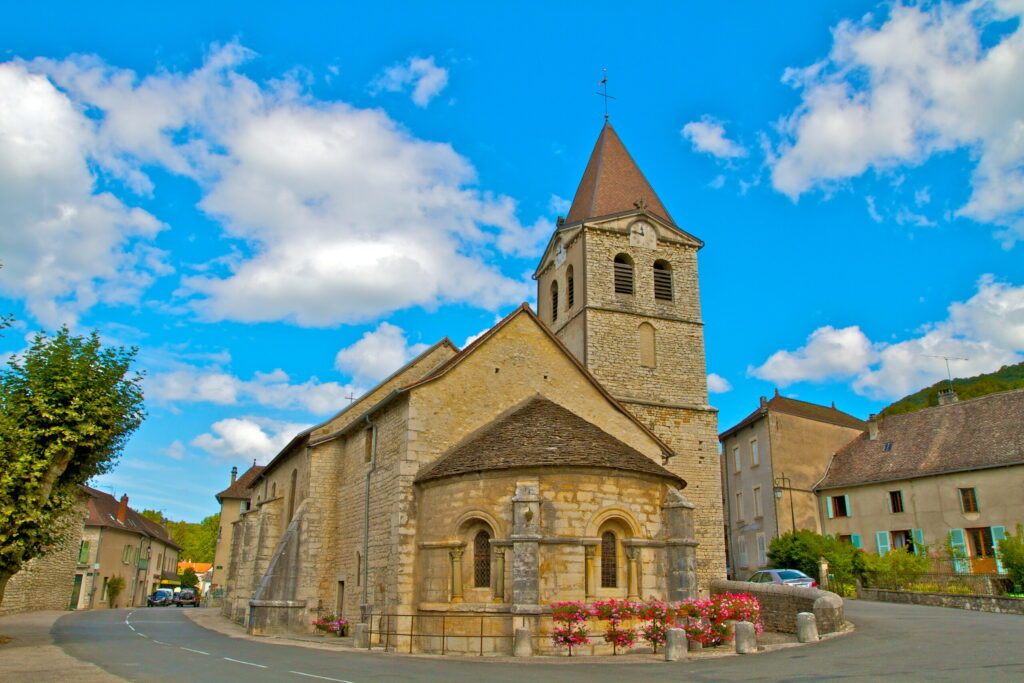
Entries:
{"x":781,"y":604}
{"x":46,"y":582}
{"x":978,"y":603}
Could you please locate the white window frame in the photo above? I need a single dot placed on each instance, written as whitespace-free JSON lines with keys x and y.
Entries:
{"x":762,"y":550}
{"x":758,"y":511}
{"x":739,"y":506}
{"x":736,"y":459}
{"x":743,"y":552}
{"x":755,"y":453}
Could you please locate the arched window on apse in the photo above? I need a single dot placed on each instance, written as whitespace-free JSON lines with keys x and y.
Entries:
{"x":623,"y":274}
{"x":482,"y":559}
{"x":609,"y":560}
{"x":662,"y":280}
{"x":648,"y":345}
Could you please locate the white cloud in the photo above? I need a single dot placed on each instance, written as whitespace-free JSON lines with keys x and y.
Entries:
{"x":708,"y":135}
{"x":334,"y":214}
{"x":987,"y":330}
{"x":377,"y":354}
{"x":176,"y":451}
{"x":422,"y":74}
{"x":919,"y":84}
{"x":718,"y":384}
{"x":187,"y":384}
{"x":247,"y":438}
{"x":559,"y":205}
{"x":65,"y":244}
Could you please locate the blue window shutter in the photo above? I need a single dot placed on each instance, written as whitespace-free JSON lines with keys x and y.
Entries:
{"x":958,"y":540}
{"x":882,"y":542}
{"x":998,"y":534}
{"x":849,"y":509}
{"x":855,"y":540}
{"x":918,"y":536}
{"x":828,"y":506}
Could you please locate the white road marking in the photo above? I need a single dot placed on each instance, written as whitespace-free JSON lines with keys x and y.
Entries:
{"x":323,"y":678}
{"x":196,"y":651}
{"x":141,"y":634}
{"x":131,"y":627}
{"x":160,"y":642}
{"x":239,"y":661}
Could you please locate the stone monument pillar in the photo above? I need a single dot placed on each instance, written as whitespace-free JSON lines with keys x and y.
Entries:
{"x":499,"y":574}
{"x":680,"y":546}
{"x":526,"y":548}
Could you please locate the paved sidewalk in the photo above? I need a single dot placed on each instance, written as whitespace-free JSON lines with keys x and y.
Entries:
{"x":31,"y":655}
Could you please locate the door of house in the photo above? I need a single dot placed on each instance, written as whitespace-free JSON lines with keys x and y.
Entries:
{"x":341,"y":600}
{"x":983,"y":559}
{"x":76,"y":591}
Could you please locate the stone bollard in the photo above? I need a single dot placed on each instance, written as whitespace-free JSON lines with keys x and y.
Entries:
{"x":523,"y":646}
{"x":359,"y":635}
{"x":806,"y":627}
{"x":746,"y":638}
{"x":694,"y":645}
{"x":675,"y":645}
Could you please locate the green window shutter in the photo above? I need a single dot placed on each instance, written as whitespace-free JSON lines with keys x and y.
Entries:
{"x":958,"y":540}
{"x":918,"y":536}
{"x":882,"y":542}
{"x":998,"y":534}
{"x":855,"y":540}
{"x":83,"y":552}
{"x":849,"y":508}
{"x":828,"y":506}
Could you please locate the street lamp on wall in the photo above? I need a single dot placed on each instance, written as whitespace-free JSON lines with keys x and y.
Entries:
{"x":783,"y":483}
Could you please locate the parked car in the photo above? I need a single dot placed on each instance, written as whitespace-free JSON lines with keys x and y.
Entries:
{"x":161,"y":597}
{"x":786,"y":577}
{"x":186,"y":597}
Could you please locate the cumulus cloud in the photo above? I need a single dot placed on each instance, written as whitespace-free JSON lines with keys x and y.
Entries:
{"x":920,"y":83}
{"x":247,"y":438}
{"x":333,"y":214}
{"x":421,"y":74}
{"x":718,"y":384}
{"x":377,"y":354}
{"x":987,"y":330}
{"x":66,"y":245}
{"x":708,"y":135}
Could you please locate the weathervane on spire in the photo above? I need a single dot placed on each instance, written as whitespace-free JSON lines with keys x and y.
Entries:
{"x":605,"y":95}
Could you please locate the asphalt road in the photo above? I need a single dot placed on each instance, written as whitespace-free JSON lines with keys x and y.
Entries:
{"x":901,"y":642}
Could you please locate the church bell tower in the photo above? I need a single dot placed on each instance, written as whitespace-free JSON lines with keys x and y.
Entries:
{"x":618,"y":285}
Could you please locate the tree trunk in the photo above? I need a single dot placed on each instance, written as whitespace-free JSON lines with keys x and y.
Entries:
{"x":5,"y":576}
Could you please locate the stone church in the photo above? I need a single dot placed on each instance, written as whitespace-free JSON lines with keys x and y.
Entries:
{"x":568,"y":454}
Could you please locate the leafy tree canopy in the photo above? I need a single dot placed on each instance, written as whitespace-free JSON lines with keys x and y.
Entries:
{"x":198,"y":541}
{"x":189,"y":578}
{"x":1006,"y":378}
{"x":67,"y":408}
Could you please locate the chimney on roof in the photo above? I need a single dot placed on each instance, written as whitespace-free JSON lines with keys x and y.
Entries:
{"x":764,"y":401}
{"x":122,"y":509}
{"x":872,"y":426}
{"x":234,"y":474}
{"x":833,"y":405}
{"x":947,"y":396}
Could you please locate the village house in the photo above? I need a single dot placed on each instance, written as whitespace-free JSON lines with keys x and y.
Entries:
{"x":564,"y":454}
{"x":234,"y":501}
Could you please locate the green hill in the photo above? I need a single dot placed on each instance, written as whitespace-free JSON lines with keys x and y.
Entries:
{"x":1006,"y":378}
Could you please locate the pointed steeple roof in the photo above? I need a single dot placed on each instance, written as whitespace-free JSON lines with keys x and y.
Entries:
{"x":612,"y":183}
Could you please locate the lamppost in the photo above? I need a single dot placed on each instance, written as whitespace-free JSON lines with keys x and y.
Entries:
{"x":784,"y":483}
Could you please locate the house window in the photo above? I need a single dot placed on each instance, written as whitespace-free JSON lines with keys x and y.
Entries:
{"x":126,"y":553}
{"x":840,"y":506}
{"x":83,"y":552}
{"x":623,"y":274}
{"x":969,"y":500}
{"x":757,"y":503}
{"x":846,"y":538}
{"x":896,"y":501}
{"x":755,"y":454}
{"x":980,"y":540}
{"x":648,"y":348}
{"x":482,"y":559}
{"x":762,"y":560}
{"x":570,"y":288}
{"x":743,"y":552}
{"x":739,"y":505}
{"x":662,"y":281}
{"x":736,"y":458}
{"x":103,"y":594}
{"x":554,"y":301}
{"x":609,"y":561}
{"x":902,"y":539}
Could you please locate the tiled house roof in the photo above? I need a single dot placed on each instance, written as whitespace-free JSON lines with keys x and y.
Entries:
{"x":102,"y":511}
{"x":240,"y":488}
{"x":791,"y":406}
{"x":976,"y":434}
{"x":541,"y":433}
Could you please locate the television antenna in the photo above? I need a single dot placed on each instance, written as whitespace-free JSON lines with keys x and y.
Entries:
{"x":949,"y":375}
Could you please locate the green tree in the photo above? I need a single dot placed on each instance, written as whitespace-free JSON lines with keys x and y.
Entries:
{"x":114,"y":588}
{"x":198,"y":541}
{"x":67,"y":407}
{"x":802,"y":549}
{"x":189,"y":578}
{"x":1011,"y":552}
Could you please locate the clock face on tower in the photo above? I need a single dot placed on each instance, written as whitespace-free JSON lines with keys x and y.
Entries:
{"x":642,"y":234}
{"x":559,"y":255}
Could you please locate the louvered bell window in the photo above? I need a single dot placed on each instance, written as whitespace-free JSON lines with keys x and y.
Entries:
{"x":570,"y":289}
{"x":482,"y":560}
{"x":662,"y":281}
{"x":554,"y":301}
{"x":623,"y":274}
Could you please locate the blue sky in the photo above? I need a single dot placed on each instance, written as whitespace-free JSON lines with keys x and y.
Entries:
{"x":281,"y":206}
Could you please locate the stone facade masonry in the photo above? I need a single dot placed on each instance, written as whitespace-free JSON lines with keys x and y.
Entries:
{"x":45,"y":582}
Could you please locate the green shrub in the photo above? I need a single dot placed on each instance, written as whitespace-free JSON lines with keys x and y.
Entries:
{"x":114,"y":588}
{"x":801,"y":550}
{"x":896,"y":569}
{"x":1011,"y":552}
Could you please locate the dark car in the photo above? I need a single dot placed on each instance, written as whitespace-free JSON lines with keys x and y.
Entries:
{"x":161,"y":597}
{"x":187,"y":597}
{"x":786,"y":577}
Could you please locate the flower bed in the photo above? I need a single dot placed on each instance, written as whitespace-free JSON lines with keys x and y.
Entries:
{"x":704,"y":620}
{"x":332,"y":625}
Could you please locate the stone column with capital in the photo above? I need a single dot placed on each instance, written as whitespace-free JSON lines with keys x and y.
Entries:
{"x":499,"y":574}
{"x":680,"y":546}
{"x":526,"y":548}
{"x":633,"y":573}
{"x":455,"y":555}
{"x":590,"y":569}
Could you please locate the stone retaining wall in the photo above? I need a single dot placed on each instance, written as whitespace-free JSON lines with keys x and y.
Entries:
{"x":979,"y":603}
{"x":781,"y":604}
